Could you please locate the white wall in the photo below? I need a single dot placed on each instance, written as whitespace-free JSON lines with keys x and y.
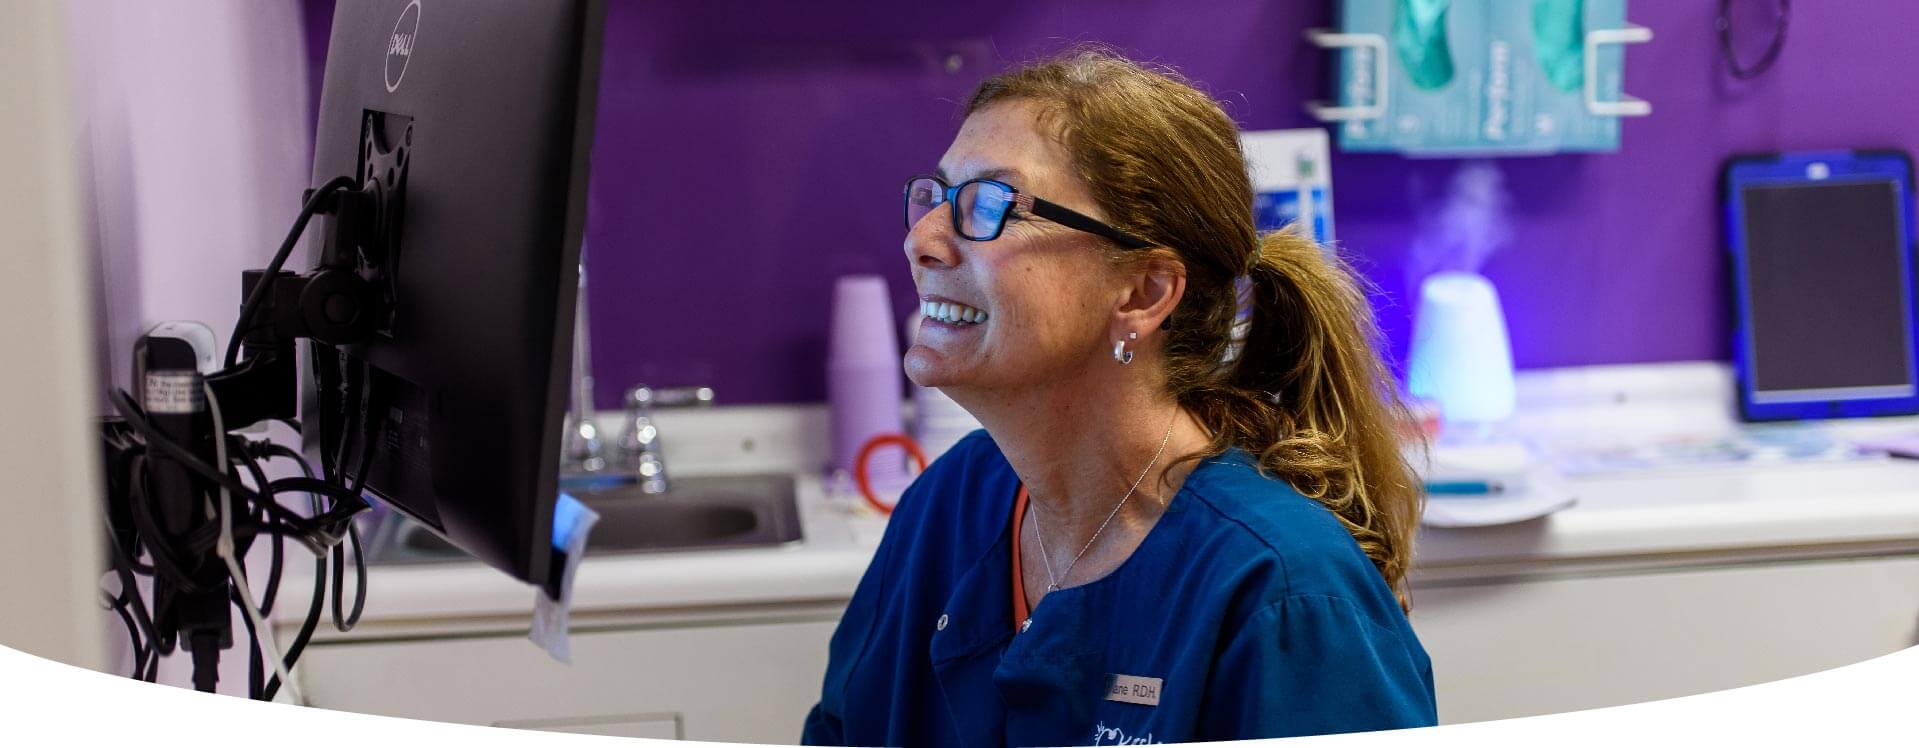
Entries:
{"x":49,"y":540}
{"x":194,"y":133}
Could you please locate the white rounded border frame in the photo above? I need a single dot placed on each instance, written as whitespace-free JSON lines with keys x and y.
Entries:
{"x":50,"y":703}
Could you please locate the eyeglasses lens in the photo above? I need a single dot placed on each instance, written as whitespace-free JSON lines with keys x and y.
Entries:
{"x":982,"y":207}
{"x":922,"y":196}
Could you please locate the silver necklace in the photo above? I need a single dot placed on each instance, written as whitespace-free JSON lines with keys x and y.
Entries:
{"x":1053,"y":581}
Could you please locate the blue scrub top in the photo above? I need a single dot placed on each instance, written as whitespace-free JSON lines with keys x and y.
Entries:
{"x":1248,"y":611}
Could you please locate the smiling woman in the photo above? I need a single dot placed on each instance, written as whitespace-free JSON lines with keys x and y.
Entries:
{"x":1174,"y":526}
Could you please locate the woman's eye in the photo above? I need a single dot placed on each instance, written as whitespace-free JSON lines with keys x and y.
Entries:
{"x":985,"y":213}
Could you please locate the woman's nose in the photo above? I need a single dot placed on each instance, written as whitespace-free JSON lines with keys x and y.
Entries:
{"x":931,"y":243}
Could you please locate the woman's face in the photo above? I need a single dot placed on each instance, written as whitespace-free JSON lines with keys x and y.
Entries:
{"x":1047,"y":292}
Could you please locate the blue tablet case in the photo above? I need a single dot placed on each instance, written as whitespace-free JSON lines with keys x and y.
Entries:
{"x":1821,"y":257}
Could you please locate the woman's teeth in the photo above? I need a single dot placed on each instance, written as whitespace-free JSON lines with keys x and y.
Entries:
{"x":951,"y":313}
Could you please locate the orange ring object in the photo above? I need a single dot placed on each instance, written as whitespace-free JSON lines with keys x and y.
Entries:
{"x":866,"y":451}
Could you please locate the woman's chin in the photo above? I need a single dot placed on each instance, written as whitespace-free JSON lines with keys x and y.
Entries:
{"x":927,"y":367}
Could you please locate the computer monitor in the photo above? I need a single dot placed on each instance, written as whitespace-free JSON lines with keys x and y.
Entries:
{"x":472,"y":123}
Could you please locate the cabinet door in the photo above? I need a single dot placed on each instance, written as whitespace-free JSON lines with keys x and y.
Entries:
{"x":732,"y":682}
{"x":657,"y":726}
{"x":1537,"y":647}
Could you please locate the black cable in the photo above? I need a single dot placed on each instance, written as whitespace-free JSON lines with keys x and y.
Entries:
{"x":333,"y":462}
{"x":255,"y":660}
{"x":339,"y":580}
{"x":123,"y":402}
{"x":309,"y":529}
{"x":145,"y":656}
{"x":370,"y":434}
{"x":314,"y":609}
{"x":307,"y":626}
{"x":205,"y":539}
{"x":275,"y":567}
{"x":321,"y":486}
{"x":146,"y":664}
{"x":352,"y":617}
{"x":131,"y":589}
{"x":314,"y":490}
{"x":145,"y":570}
{"x":312,"y":526}
{"x":330,"y":469}
{"x":1739,"y":70}
{"x":281,"y":522}
{"x":328,"y":529}
{"x":242,"y":458}
{"x":270,"y":450}
{"x":145,"y":522}
{"x":119,"y":605}
{"x":141,"y":569}
{"x":313,"y":487}
{"x":260,"y":289}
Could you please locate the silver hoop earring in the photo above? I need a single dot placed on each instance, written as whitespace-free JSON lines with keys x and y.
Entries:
{"x":1120,"y":353}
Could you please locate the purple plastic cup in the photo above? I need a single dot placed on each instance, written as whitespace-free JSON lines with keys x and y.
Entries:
{"x":863,"y":375}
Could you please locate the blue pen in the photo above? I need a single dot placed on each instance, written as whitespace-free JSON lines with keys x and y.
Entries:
{"x":1465,"y":487}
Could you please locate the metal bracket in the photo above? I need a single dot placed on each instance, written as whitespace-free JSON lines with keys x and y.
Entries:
{"x":1626,"y":106}
{"x":1374,"y":43}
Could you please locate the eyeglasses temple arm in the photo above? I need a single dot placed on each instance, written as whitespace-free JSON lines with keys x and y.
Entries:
{"x":1070,"y":218}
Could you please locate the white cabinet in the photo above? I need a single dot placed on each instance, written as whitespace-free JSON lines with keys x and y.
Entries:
{"x":1543,"y":645}
{"x":702,"y":680}
{"x":1508,"y":637}
{"x":1537,"y":642}
{"x":656,"y":726}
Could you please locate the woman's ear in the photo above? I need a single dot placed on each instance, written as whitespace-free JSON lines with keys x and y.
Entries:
{"x":1153,"y":294}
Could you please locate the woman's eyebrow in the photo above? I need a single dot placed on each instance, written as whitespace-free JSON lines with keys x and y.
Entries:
{"x":997,"y":172}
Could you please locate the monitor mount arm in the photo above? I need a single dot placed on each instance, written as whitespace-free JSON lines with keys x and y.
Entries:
{"x":345,"y":300}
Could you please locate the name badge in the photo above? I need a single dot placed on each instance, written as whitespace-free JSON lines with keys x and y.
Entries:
{"x":1133,"y":689}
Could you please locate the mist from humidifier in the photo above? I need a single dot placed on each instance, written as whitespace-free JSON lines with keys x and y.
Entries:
{"x":1461,"y":356}
{"x":1467,"y":226}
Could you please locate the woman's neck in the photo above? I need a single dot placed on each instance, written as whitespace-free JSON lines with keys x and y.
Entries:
{"x":1079,"y":445}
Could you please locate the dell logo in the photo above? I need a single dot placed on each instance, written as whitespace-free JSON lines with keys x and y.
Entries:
{"x":399,"y":45}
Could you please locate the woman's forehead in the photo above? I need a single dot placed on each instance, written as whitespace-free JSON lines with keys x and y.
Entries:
{"x":1003,"y":141}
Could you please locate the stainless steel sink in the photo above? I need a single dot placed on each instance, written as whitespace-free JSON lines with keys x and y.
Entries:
{"x":699,"y":513}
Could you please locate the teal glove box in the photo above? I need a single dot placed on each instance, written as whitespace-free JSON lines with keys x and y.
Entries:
{"x":1479,"y":77}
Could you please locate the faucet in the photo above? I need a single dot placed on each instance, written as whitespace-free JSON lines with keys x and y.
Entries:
{"x":637,"y":452}
{"x":582,"y":451}
{"x":639,"y":441}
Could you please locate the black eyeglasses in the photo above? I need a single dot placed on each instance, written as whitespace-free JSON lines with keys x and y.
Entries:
{"x":981,"y":206}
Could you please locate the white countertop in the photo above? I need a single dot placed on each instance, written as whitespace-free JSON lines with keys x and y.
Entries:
{"x":1677,"y":515}
{"x":839,"y":539}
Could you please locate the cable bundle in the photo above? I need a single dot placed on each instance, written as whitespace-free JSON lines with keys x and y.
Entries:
{"x":233,"y":503}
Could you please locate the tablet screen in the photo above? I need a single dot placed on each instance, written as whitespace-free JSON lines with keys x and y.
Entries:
{"x":1826,"y":278}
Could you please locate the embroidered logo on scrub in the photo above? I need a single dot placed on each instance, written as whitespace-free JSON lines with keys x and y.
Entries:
{"x":1133,"y":689}
{"x":1103,"y":735}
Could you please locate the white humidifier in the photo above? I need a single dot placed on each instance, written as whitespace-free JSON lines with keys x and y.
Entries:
{"x":1461,"y":358}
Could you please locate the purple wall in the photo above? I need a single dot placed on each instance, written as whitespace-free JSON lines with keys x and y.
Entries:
{"x":748,"y":153}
